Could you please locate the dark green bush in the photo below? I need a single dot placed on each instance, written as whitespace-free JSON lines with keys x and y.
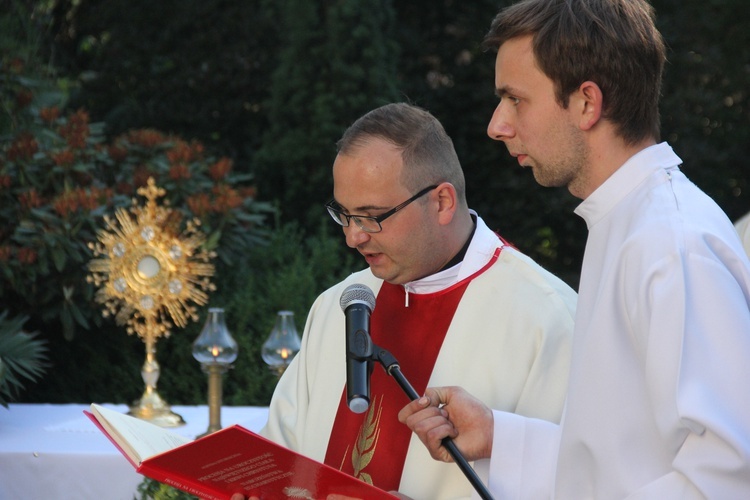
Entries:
{"x":22,"y":357}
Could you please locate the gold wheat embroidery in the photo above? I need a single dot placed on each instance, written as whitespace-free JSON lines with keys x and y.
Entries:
{"x":367,"y":440}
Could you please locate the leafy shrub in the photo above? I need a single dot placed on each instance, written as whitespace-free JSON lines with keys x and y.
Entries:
{"x":59,"y":176}
{"x":22,"y":357}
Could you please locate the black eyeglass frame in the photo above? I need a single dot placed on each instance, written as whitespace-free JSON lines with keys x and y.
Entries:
{"x":336,"y":214}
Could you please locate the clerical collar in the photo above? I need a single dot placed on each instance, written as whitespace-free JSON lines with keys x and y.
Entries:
{"x":483,"y":245}
{"x":459,"y":257}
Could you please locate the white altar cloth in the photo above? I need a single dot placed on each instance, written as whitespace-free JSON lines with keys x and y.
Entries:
{"x":55,"y":452}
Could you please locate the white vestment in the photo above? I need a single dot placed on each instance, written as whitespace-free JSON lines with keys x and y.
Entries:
{"x":508,"y":343}
{"x":658,"y":404}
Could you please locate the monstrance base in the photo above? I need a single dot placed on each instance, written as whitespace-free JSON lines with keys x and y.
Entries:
{"x":152,"y":408}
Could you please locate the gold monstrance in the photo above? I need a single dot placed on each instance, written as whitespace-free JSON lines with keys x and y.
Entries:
{"x":144,"y":270}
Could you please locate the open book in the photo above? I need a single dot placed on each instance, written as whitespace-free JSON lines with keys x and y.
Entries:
{"x":228,"y":461}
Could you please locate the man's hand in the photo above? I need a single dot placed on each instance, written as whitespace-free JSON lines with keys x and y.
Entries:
{"x":451,"y":412}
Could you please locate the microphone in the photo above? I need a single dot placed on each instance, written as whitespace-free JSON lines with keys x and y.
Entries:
{"x":357,"y":302}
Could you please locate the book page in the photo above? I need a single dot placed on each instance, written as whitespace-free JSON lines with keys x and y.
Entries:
{"x":236,"y":460}
{"x":227,"y":461}
{"x":137,"y":438}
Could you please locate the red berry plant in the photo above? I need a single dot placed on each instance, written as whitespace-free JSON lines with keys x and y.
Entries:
{"x":60,"y":174}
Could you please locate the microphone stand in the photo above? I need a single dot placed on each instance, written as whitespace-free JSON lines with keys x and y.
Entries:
{"x":392,"y":368}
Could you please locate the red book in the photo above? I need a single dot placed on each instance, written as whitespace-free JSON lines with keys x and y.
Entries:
{"x":228,"y":461}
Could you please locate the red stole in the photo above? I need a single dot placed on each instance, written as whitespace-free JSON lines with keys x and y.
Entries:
{"x":372,"y":446}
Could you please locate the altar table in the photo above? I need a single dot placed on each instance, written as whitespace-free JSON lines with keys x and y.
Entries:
{"x":55,"y":452}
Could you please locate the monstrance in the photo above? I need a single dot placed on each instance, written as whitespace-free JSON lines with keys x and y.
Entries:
{"x":150,"y":277}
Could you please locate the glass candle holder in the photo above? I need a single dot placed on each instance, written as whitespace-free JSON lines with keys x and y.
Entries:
{"x":215,"y":349}
{"x":282,"y":344}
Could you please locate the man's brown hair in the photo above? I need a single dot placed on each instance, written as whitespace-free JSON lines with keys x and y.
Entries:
{"x":613,"y":43}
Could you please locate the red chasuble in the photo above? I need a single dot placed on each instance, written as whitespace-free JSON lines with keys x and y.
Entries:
{"x":372,"y":446}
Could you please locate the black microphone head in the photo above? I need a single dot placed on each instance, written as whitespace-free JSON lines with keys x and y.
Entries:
{"x":357,"y":294}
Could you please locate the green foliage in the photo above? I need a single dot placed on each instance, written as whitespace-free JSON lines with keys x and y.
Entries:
{"x":706,"y":98}
{"x":197,"y":184}
{"x":199,"y":69}
{"x":101,"y":364}
{"x":22,"y":357}
{"x":59,"y":180}
{"x":154,"y":490}
{"x":49,"y":207}
{"x":336,"y":61}
{"x":21,"y":39}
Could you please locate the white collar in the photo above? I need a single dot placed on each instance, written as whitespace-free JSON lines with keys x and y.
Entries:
{"x":625,"y":179}
{"x":481,"y":249}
